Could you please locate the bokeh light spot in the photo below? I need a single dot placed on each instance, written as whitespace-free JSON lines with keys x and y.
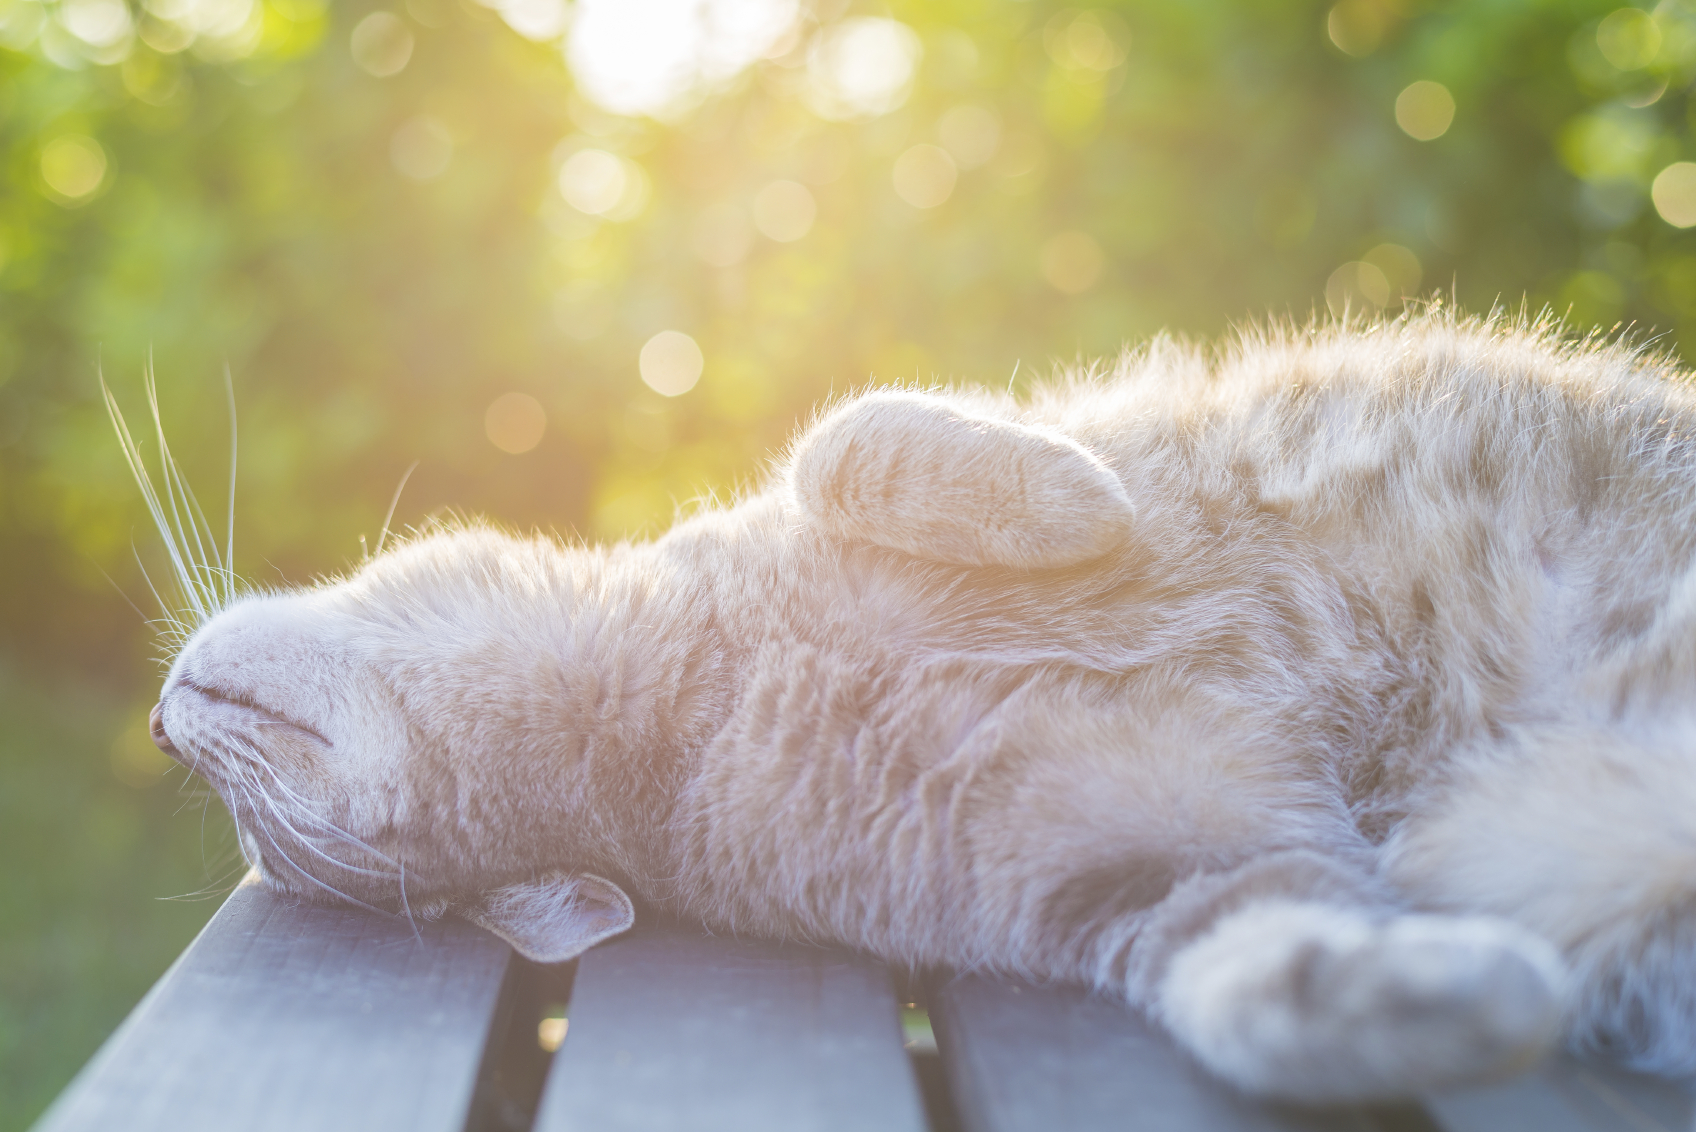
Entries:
{"x":1629,"y":38}
{"x":861,"y":67}
{"x":381,"y":44}
{"x":1401,"y":268}
{"x":652,"y":56}
{"x":1357,"y":286}
{"x":671,"y":363}
{"x":1609,"y":144}
{"x":722,"y":235}
{"x":421,"y":148}
{"x":1424,"y":110}
{"x":73,"y":167}
{"x":593,"y":181}
{"x":1071,"y":262}
{"x":971,"y":134}
{"x":540,"y":20}
{"x":98,"y":23}
{"x":1356,"y":27}
{"x":1674,"y":194}
{"x":515,"y":422}
{"x":1087,"y":41}
{"x":784,"y":211}
{"x":924,"y":176}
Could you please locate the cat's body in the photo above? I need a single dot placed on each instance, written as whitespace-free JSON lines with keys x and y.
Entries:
{"x":1192,"y":683}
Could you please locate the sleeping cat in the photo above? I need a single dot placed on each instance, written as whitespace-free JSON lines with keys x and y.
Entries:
{"x":1331,"y":697}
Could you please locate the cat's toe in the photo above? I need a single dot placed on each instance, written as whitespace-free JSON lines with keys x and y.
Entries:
{"x":1316,"y":1004}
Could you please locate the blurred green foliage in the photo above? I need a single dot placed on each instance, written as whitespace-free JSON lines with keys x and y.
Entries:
{"x":410,"y":235}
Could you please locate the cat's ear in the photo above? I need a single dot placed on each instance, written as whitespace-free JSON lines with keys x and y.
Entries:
{"x":912,"y":472}
{"x":556,"y":918}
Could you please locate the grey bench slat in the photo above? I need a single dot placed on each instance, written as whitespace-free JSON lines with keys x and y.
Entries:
{"x":1024,"y":1058}
{"x":1567,"y":1095}
{"x":290,"y":1016}
{"x":674,"y":1030}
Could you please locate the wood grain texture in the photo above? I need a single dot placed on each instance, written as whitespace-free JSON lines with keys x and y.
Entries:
{"x":1024,"y":1058}
{"x":671,"y":1030}
{"x":291,"y":1017}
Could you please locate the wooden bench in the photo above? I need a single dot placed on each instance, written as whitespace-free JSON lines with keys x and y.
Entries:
{"x":283,"y":1016}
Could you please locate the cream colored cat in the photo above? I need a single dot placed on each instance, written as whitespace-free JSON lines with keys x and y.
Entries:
{"x":1331,"y":697}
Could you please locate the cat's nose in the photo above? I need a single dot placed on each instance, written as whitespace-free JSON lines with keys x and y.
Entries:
{"x":156,"y":724}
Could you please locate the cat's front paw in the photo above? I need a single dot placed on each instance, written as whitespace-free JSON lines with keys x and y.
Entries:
{"x":1314,"y":1003}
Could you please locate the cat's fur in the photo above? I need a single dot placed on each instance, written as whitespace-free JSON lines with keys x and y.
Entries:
{"x":1332,"y":697}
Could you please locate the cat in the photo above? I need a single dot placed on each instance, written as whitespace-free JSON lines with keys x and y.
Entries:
{"x":1329,"y":695}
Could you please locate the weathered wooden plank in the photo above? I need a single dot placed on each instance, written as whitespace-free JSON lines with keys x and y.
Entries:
{"x":1567,"y":1095}
{"x":671,"y":1030}
{"x":1024,"y":1058}
{"x":289,"y":1016}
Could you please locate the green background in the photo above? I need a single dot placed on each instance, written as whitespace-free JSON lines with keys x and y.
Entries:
{"x":1182,"y":166}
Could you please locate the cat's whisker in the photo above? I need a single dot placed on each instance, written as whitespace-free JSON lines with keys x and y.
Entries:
{"x":255,"y":795}
{"x":230,"y":527}
{"x":300,"y":810}
{"x":321,"y":884}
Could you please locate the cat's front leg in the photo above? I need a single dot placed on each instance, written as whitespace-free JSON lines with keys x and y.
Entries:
{"x":1321,"y":1001}
{"x":926,"y":475}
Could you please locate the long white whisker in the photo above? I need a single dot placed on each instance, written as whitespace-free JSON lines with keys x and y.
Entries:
{"x":230,"y":525}
{"x":283,"y":819}
{"x":138,"y":469}
{"x":393,"y":503}
{"x":327,"y":888}
{"x":406,"y":907}
{"x":189,"y":578}
{"x":303,"y":810}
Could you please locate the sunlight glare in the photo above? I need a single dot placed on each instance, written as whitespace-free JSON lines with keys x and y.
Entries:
{"x":971,"y":135}
{"x":1424,"y":110}
{"x":1674,"y":194}
{"x":540,"y":20}
{"x":924,"y":176}
{"x":591,"y":180}
{"x":1356,"y":27}
{"x":98,"y":23}
{"x":1629,"y":39}
{"x":73,"y":166}
{"x":550,"y":1033}
{"x":1355,"y":287}
{"x":861,"y":67}
{"x":515,"y":422}
{"x":670,"y":363}
{"x":648,"y":57}
{"x":784,"y":211}
{"x":1401,"y":268}
{"x":381,"y":44}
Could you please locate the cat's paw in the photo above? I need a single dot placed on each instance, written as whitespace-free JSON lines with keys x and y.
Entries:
{"x":913,"y":472}
{"x":1313,"y":1003}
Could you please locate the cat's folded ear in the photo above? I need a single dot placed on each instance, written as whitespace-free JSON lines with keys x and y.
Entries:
{"x":556,"y":918}
{"x":912,"y":472}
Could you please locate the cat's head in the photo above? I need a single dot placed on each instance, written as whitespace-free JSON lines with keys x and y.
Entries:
{"x":362,"y":733}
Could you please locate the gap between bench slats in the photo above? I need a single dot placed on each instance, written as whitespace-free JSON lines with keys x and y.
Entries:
{"x":672,"y":1030}
{"x":291,"y":1016}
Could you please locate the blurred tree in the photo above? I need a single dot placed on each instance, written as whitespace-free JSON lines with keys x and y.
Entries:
{"x":584,"y":264}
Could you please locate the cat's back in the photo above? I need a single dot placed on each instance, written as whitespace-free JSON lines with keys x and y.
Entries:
{"x":1386,"y":420}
